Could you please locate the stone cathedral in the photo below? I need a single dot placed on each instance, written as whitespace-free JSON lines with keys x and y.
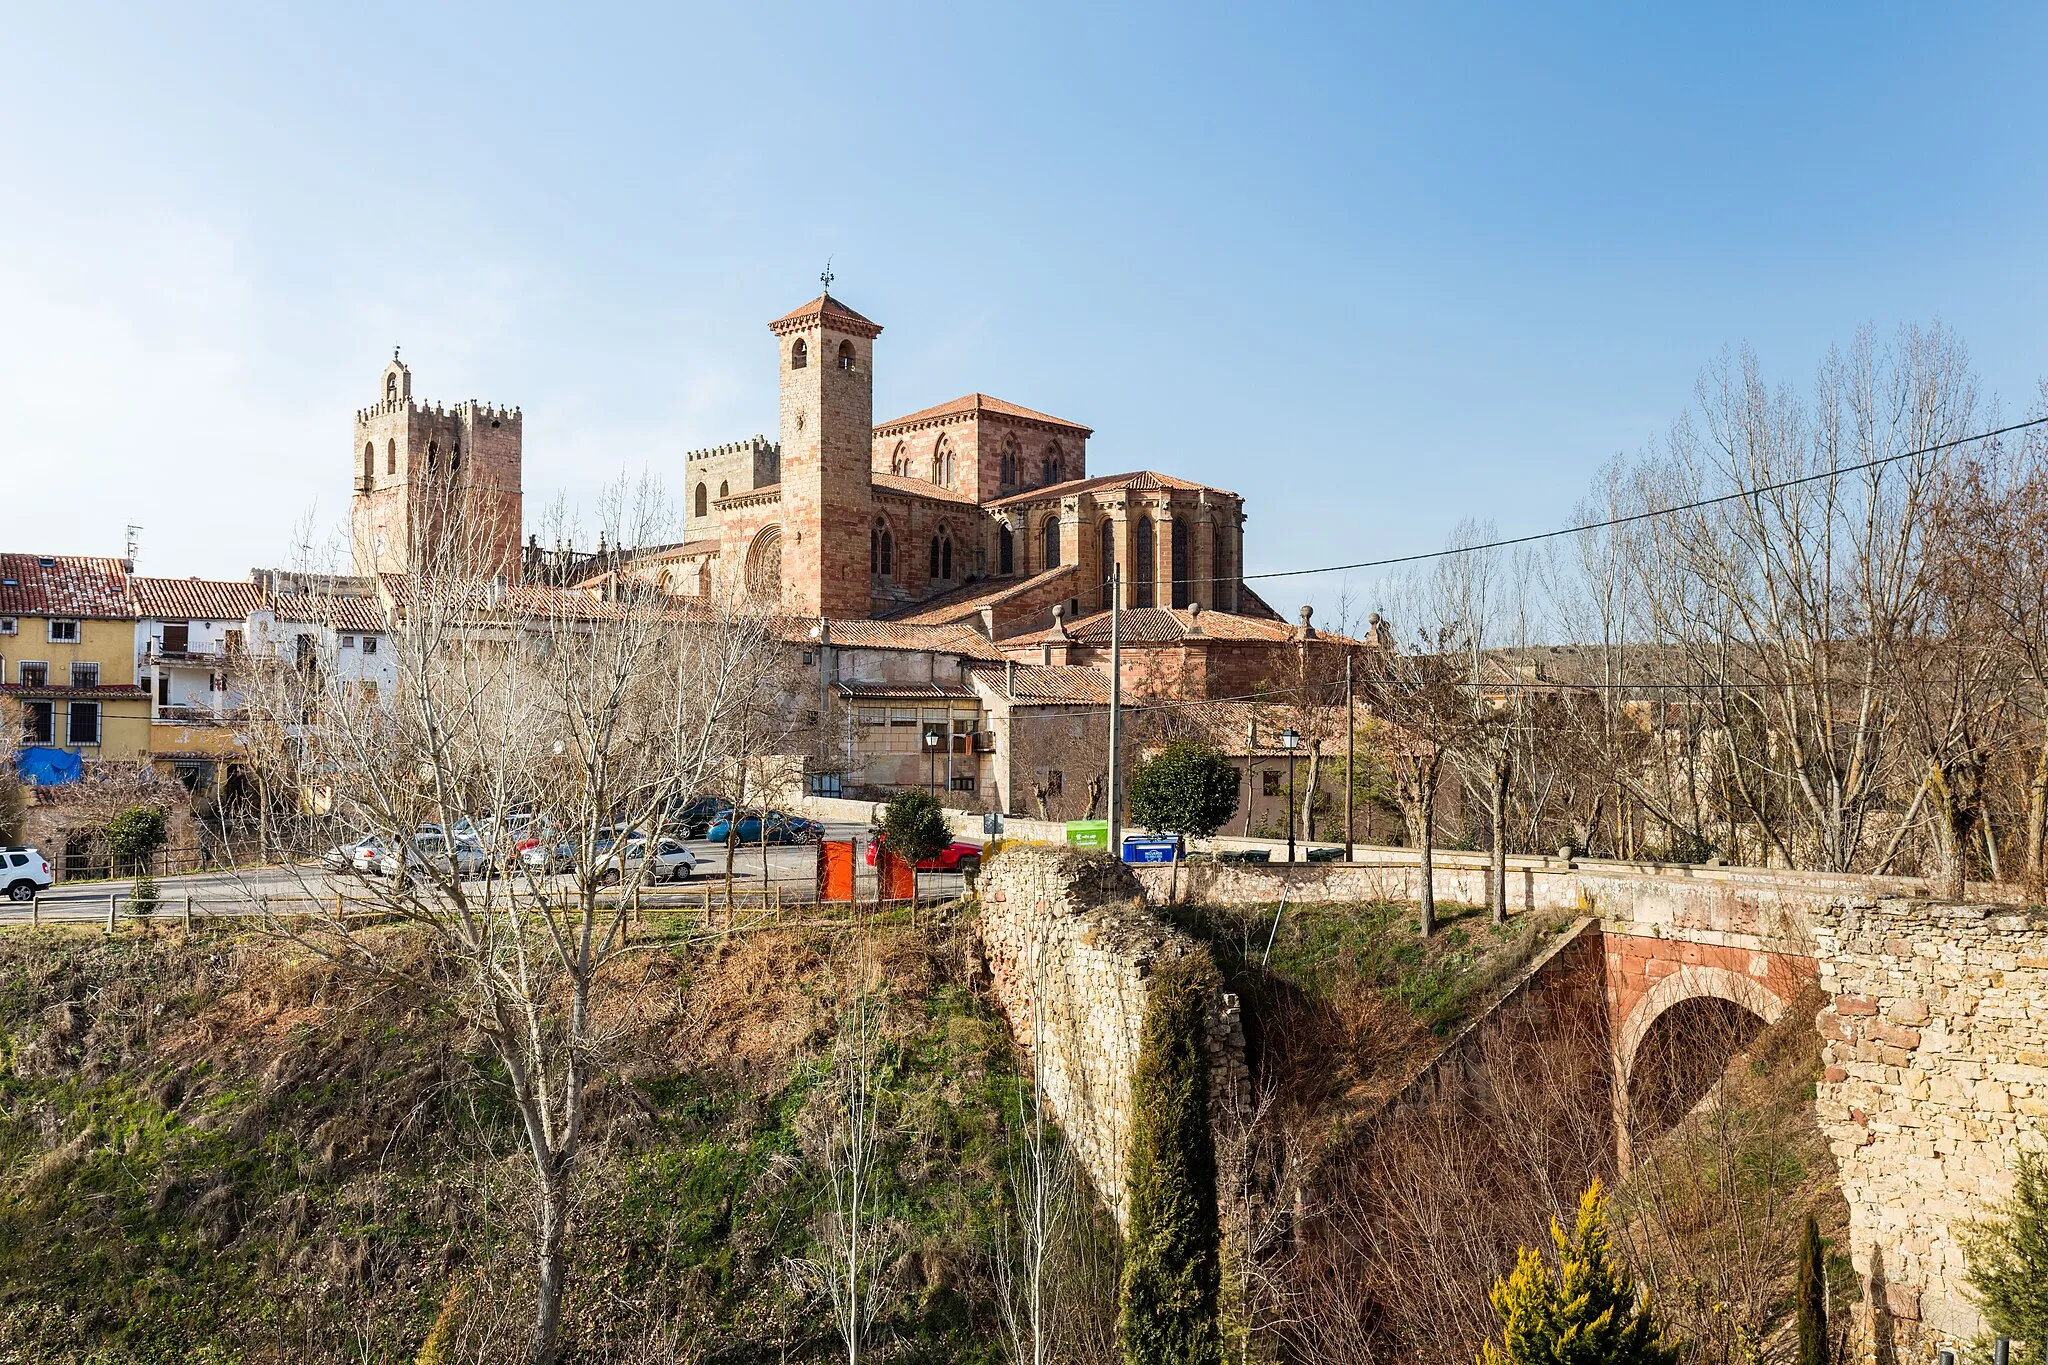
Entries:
{"x":972,"y":510}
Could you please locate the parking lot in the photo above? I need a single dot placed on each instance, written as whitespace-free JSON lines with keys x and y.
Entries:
{"x":788,"y":869}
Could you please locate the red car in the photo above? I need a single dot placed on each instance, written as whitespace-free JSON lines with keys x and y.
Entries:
{"x":958,"y":856}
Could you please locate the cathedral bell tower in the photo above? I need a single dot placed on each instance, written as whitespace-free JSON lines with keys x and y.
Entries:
{"x":827,"y":427}
{"x":435,"y":490}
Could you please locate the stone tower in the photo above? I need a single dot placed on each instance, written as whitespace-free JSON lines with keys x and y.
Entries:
{"x":435,"y":484}
{"x":820,"y":549}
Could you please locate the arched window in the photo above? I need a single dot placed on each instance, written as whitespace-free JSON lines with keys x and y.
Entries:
{"x":946,"y":558}
{"x":1006,"y":551}
{"x":391,"y":388}
{"x":942,"y":462}
{"x":1052,"y":543}
{"x":799,"y":355}
{"x":933,"y":569}
{"x":703,"y":500}
{"x":391,"y":457}
{"x":433,"y":455}
{"x":1051,"y":465}
{"x":724,"y":488}
{"x":888,"y":553}
{"x":1008,"y":470}
{"x":899,"y":460}
{"x":1146,"y":571}
{"x":846,"y":355}
{"x":369,"y":459}
{"x":1183,"y":591}
{"x":1106,"y":556}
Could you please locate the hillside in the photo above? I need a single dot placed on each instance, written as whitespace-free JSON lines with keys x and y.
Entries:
{"x":223,"y":1150}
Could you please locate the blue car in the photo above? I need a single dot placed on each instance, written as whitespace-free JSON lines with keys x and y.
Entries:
{"x":782,"y":829}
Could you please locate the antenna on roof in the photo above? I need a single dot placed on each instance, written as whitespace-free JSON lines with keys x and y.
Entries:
{"x":826,"y":276}
{"x":134,"y":544}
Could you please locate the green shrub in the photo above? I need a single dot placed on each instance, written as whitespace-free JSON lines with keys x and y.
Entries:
{"x":1167,"y":1312}
{"x":1584,"y":1315}
{"x":1188,"y":789}
{"x":914,"y":826}
{"x":2008,"y":1259}
{"x":136,"y":834}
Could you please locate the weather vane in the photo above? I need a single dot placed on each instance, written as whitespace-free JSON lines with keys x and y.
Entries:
{"x":826,"y":275}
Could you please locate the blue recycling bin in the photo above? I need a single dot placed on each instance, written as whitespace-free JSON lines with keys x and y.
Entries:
{"x":1145,"y":848}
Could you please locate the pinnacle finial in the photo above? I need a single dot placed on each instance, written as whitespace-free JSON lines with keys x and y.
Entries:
{"x":394,"y":353}
{"x":826,"y":276}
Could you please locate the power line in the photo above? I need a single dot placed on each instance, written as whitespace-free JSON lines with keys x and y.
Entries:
{"x":1633,"y":517}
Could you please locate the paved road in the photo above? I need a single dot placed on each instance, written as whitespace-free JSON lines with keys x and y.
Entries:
{"x":791,"y":867}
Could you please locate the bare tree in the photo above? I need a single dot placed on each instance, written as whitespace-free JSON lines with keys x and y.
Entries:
{"x":1415,"y":696}
{"x":847,"y":1263}
{"x":516,"y":710}
{"x":1032,"y":1228}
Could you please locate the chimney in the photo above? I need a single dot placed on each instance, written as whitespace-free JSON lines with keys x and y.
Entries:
{"x":1010,"y":679}
{"x":988,"y":622}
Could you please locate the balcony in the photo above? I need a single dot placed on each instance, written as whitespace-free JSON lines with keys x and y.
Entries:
{"x":193,"y":715}
{"x":155,"y":654}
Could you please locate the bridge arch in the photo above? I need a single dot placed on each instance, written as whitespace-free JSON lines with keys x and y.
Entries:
{"x":1677,"y":1039}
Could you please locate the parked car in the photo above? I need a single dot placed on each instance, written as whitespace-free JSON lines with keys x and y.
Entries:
{"x":672,"y":862}
{"x":958,"y":856}
{"x":693,"y":818}
{"x":24,"y":871}
{"x":431,"y":852}
{"x":782,"y":828}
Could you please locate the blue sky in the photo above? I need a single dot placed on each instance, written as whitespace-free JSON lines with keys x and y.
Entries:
{"x":1378,"y":268}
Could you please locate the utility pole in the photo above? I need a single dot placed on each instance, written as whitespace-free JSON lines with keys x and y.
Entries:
{"x":1350,"y":754}
{"x":1116,"y":675}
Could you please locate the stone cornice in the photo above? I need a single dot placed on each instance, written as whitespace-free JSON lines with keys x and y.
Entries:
{"x":753,"y":497}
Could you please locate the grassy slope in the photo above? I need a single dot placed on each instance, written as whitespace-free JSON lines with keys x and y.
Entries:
{"x":221,"y":1150}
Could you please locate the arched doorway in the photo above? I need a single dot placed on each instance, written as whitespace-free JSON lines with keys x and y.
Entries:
{"x":764,"y":567}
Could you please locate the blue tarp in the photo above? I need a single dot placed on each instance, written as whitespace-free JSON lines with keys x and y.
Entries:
{"x":42,"y":766}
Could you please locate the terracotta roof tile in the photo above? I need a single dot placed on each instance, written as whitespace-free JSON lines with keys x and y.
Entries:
{"x":833,"y":310}
{"x":943,"y":639}
{"x":1138,"y":481}
{"x":1070,"y":683}
{"x":64,"y":585}
{"x":981,"y":402}
{"x":1171,"y":625}
{"x":881,"y":690}
{"x":921,"y":488}
{"x":965,"y":603}
{"x":205,"y":599}
{"x":342,"y":613}
{"x":104,"y":692}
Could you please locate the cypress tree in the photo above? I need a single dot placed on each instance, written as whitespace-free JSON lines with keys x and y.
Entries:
{"x":2008,"y":1260}
{"x":1167,"y":1311}
{"x":1813,"y":1298}
{"x":1584,"y":1315}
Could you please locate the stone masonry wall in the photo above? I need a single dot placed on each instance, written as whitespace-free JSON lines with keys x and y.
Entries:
{"x":1937,"y":1078}
{"x":1071,"y":947}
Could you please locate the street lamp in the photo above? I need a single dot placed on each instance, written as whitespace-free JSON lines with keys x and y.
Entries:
{"x":931,"y":748}
{"x":1290,"y":740}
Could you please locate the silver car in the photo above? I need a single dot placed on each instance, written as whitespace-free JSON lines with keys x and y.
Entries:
{"x":432,"y":852}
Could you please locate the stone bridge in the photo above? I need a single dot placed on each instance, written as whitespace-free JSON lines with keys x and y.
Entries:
{"x":1934,"y":1016}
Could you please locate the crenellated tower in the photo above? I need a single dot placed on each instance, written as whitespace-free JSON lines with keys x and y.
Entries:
{"x":827,"y":430}
{"x":437,"y":489}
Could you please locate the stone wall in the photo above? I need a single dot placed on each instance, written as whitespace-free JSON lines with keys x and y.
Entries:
{"x":1071,"y":952}
{"x":1937,"y":1077}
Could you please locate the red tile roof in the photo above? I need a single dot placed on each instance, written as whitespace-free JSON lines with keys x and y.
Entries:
{"x":205,"y":599}
{"x":342,"y":613}
{"x":981,"y":402}
{"x":64,"y":585}
{"x":1072,"y":683}
{"x":1172,"y":625}
{"x":886,"y":690}
{"x":920,"y":488}
{"x":1142,"y":480}
{"x":103,"y":692}
{"x":833,"y":311}
{"x":965,"y":603}
{"x":946,"y":639}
